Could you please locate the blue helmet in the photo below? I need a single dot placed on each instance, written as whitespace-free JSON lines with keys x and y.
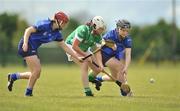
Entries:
{"x":123,"y":24}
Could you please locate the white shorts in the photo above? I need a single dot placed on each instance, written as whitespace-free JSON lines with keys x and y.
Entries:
{"x":69,"y":56}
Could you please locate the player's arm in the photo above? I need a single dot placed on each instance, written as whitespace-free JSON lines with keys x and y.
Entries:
{"x":127,"y":58}
{"x":75,"y":46}
{"x":128,"y":45}
{"x":99,"y":56}
{"x":80,"y":35}
{"x":27,"y":34}
{"x":68,"y":50}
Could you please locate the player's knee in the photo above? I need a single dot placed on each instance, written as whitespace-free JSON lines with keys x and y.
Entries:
{"x":122,"y":66}
{"x":37,"y":72}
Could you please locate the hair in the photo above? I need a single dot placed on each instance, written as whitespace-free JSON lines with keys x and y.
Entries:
{"x":90,"y":24}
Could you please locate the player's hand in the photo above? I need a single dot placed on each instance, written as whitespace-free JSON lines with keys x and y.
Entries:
{"x":80,"y":59}
{"x":89,"y":59}
{"x":101,"y":68}
{"x":25,"y":47}
{"x":114,"y":47}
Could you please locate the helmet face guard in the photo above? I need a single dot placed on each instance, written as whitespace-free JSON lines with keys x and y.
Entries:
{"x":98,"y":22}
{"x":59,"y":26}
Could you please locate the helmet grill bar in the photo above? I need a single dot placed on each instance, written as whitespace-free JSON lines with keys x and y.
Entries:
{"x":58,"y":23}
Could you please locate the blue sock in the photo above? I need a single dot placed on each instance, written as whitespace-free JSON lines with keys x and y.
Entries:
{"x":99,"y":78}
{"x":29,"y":92}
{"x":15,"y":76}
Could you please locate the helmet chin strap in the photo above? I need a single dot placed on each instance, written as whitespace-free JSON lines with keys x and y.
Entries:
{"x":94,"y":29}
{"x":59,"y":26}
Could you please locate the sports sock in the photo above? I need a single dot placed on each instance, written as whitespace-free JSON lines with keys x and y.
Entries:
{"x":99,"y":78}
{"x":15,"y":76}
{"x":91,"y":76}
{"x":29,"y":92}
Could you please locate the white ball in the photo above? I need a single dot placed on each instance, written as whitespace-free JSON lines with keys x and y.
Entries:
{"x":151,"y":80}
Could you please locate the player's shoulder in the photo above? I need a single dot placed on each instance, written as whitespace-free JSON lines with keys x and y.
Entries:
{"x":110,"y":34}
{"x":44,"y":24}
{"x":128,"y":37}
{"x":128,"y":40}
{"x":82,"y":29}
{"x":44,"y":21}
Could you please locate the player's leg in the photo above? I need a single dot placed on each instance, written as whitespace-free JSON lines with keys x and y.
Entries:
{"x":93,"y":74}
{"x":115,"y":66}
{"x":84,"y":72}
{"x":16,"y":76}
{"x":12,"y":77}
{"x":105,"y":58}
{"x":121,"y":75}
{"x":34,"y":65}
{"x":95,"y":71}
{"x":84,"y":76}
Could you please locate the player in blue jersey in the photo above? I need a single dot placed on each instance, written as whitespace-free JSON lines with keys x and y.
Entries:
{"x":43,"y":31}
{"x":117,"y":59}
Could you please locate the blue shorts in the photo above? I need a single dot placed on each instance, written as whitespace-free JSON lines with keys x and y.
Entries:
{"x":29,"y":52}
{"x":106,"y":57}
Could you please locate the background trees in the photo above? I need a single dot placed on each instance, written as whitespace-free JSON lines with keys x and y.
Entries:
{"x":150,"y":42}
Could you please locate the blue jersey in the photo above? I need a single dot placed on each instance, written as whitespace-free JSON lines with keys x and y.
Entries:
{"x":121,"y":44}
{"x":44,"y":34}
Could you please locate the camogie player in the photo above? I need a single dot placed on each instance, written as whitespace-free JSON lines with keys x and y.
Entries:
{"x":43,"y":31}
{"x":118,"y":59}
{"x":81,"y":40}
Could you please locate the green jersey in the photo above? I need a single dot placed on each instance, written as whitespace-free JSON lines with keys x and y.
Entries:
{"x":86,"y":38}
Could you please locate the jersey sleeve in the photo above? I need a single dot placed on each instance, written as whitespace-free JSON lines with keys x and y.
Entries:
{"x":128,"y":42}
{"x":80,"y":32}
{"x":59,"y":37}
{"x":41,"y":26}
{"x":107,"y":36}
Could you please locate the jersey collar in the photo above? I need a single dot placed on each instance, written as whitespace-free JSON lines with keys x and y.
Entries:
{"x":118,"y":37}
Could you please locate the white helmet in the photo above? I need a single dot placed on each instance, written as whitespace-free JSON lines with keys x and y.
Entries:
{"x":98,"y":22}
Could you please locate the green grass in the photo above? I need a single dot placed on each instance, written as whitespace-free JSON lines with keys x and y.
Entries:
{"x":59,"y":89}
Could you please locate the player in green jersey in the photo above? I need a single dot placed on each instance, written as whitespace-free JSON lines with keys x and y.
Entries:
{"x":81,"y":40}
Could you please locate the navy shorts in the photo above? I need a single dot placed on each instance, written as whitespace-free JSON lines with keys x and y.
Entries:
{"x":105,"y":57}
{"x":29,"y":52}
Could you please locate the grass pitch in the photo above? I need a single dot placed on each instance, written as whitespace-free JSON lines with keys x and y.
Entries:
{"x":59,"y":89}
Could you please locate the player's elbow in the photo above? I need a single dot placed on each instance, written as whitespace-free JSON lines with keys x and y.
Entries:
{"x":30,"y":29}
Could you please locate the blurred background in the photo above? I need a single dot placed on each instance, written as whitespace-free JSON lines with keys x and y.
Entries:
{"x":155,"y":26}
